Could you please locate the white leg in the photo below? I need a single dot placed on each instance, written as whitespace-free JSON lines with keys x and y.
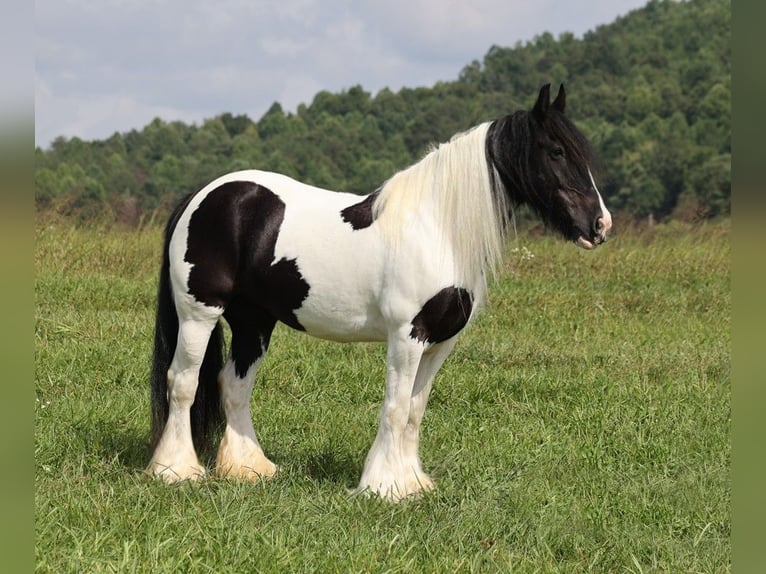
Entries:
{"x":240,"y":455}
{"x":174,"y":458}
{"x":386,"y":471}
{"x":429,"y":365}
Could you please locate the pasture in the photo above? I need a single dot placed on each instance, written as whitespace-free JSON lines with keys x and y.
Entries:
{"x":582,"y":423}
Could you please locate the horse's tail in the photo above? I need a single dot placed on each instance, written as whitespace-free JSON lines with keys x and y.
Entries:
{"x":206,"y":413}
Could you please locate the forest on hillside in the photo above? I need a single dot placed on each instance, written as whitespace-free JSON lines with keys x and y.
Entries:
{"x":652,"y":91}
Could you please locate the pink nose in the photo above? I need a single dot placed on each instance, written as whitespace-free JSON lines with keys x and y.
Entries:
{"x":598,"y":226}
{"x":601,"y":227}
{"x":604,"y":221}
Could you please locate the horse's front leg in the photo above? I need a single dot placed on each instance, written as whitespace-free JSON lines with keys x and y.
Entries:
{"x":388,"y":470}
{"x":430,"y":364}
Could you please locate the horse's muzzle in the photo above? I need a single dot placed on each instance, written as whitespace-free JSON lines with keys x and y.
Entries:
{"x":601,"y":227}
{"x":599,"y":230}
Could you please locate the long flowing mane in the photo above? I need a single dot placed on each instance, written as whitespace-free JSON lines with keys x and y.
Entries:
{"x":455,"y":180}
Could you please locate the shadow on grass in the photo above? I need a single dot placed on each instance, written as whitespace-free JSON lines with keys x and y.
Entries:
{"x":130,"y":449}
{"x":328,"y":466}
{"x":127,"y":447}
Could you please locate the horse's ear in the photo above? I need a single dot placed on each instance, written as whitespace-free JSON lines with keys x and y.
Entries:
{"x":561,"y":100}
{"x":543,"y":102}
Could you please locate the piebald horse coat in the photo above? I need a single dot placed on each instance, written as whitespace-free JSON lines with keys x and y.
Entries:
{"x":407,"y":265}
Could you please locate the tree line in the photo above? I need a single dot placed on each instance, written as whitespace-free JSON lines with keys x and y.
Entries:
{"x":652,"y":91}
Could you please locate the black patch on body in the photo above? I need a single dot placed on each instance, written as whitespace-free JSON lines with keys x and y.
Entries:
{"x":251,"y":329}
{"x":231,"y":242}
{"x":443,"y":315}
{"x":359,"y":215}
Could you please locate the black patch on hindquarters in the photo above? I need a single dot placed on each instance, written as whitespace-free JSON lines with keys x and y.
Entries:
{"x":359,"y":215}
{"x":232,"y":237}
{"x":251,"y":329}
{"x":443,"y":315}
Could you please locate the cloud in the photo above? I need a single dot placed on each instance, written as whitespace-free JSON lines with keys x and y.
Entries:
{"x":103,"y":114}
{"x":114,"y":65}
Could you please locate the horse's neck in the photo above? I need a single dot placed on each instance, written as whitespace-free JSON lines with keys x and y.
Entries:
{"x":448,"y":198}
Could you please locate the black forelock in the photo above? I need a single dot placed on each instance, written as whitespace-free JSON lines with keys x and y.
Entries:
{"x":575,"y":144}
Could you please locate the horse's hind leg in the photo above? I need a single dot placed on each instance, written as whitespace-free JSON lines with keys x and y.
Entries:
{"x":174,"y":457}
{"x":240,"y":455}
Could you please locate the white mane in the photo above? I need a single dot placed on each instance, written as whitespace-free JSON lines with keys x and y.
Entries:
{"x":453,"y":182}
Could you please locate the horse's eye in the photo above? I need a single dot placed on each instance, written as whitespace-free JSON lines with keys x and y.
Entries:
{"x":556,"y":153}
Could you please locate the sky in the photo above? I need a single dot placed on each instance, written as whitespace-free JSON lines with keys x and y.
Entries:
{"x":114,"y":65}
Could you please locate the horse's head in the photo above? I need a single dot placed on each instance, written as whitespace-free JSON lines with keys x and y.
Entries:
{"x":544,"y":161}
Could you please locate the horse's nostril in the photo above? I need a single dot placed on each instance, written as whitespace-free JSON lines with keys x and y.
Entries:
{"x":598,"y":226}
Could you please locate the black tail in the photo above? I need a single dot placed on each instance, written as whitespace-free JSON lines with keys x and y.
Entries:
{"x":206,"y":414}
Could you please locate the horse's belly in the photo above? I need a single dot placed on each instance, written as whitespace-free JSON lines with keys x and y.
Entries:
{"x":341,"y":320}
{"x":343,"y":270}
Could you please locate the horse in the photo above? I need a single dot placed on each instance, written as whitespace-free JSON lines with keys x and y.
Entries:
{"x":407,"y":264}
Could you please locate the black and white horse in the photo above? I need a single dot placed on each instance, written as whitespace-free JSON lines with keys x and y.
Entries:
{"x":407,"y":264}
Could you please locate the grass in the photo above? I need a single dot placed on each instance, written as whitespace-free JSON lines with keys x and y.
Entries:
{"x":581,"y":425}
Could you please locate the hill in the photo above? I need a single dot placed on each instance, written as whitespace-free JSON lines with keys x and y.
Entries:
{"x":652,"y":91}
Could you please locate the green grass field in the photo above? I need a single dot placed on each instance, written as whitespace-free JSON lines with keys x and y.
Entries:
{"x":581,"y":425}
